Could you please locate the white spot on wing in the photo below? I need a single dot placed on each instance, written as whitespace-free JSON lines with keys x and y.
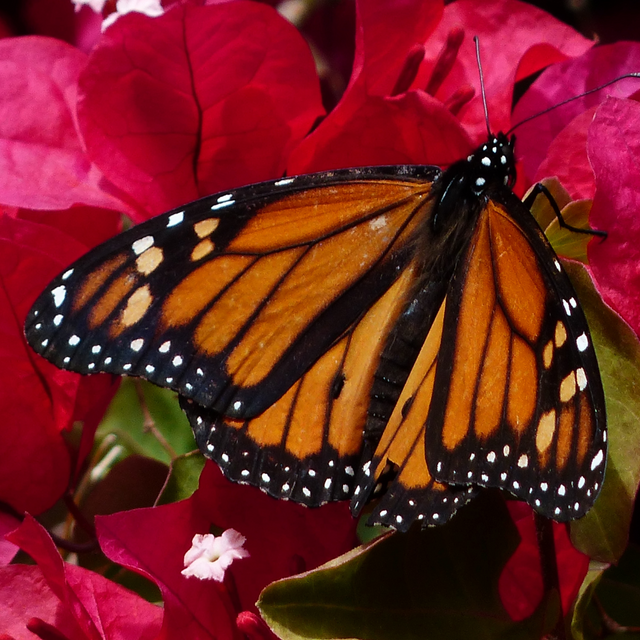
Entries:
{"x":283,"y":183}
{"x":175,"y":219}
{"x":74,"y":341}
{"x":222,"y":205}
{"x":165,"y":346}
{"x":137,"y":344}
{"x":67,"y":274}
{"x":597,"y":460}
{"x":142,"y":244}
{"x":59,"y":294}
{"x":582,"y":342}
{"x":581,"y":377}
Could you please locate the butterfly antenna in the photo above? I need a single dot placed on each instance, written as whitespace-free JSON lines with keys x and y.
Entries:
{"x":483,"y":93}
{"x":581,"y":95}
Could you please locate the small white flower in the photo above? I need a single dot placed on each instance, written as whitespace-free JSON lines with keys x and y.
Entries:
{"x":210,"y":556}
{"x":151,"y":8}
{"x":96,"y":5}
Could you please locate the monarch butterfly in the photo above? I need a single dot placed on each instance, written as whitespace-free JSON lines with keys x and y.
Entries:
{"x":393,"y":331}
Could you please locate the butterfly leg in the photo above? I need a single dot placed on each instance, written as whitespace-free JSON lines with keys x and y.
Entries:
{"x":541,"y":189}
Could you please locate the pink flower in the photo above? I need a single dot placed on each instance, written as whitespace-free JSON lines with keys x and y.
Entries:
{"x":210,"y":556}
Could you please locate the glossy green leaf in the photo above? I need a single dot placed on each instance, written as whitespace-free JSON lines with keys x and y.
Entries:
{"x":183,"y":477}
{"x":440,"y":583}
{"x":126,"y":419}
{"x":602,"y":533}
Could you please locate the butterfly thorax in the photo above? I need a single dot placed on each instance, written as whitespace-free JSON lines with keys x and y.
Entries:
{"x":489,"y":168}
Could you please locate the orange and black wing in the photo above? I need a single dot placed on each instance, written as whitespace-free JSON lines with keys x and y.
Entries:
{"x":519,"y":402}
{"x":268,"y":309}
{"x":307,"y":446}
{"x":230,"y":300}
{"x":396,"y":469}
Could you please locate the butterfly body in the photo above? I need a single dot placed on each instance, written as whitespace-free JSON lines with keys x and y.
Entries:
{"x":306,"y":322}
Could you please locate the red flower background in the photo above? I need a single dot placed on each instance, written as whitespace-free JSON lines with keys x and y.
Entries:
{"x":161,"y":111}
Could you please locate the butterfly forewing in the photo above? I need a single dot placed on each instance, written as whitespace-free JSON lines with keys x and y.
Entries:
{"x":221,"y":300}
{"x":521,"y":405}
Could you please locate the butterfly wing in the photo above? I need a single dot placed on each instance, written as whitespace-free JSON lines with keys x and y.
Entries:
{"x":230,"y":300}
{"x":307,"y":446}
{"x":520,"y":404}
{"x":398,"y":469}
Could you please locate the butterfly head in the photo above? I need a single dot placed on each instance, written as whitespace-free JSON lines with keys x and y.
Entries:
{"x":493,"y":164}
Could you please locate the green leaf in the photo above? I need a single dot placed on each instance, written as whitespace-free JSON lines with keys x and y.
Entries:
{"x":602,"y":534}
{"x":619,"y":592}
{"x":439,"y":583}
{"x":183,"y":478}
{"x":583,"y":603}
{"x":126,"y":419}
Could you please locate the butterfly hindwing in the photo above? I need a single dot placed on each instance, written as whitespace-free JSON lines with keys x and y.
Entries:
{"x":230,"y":300}
{"x":520,"y":403}
{"x":398,"y":466}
